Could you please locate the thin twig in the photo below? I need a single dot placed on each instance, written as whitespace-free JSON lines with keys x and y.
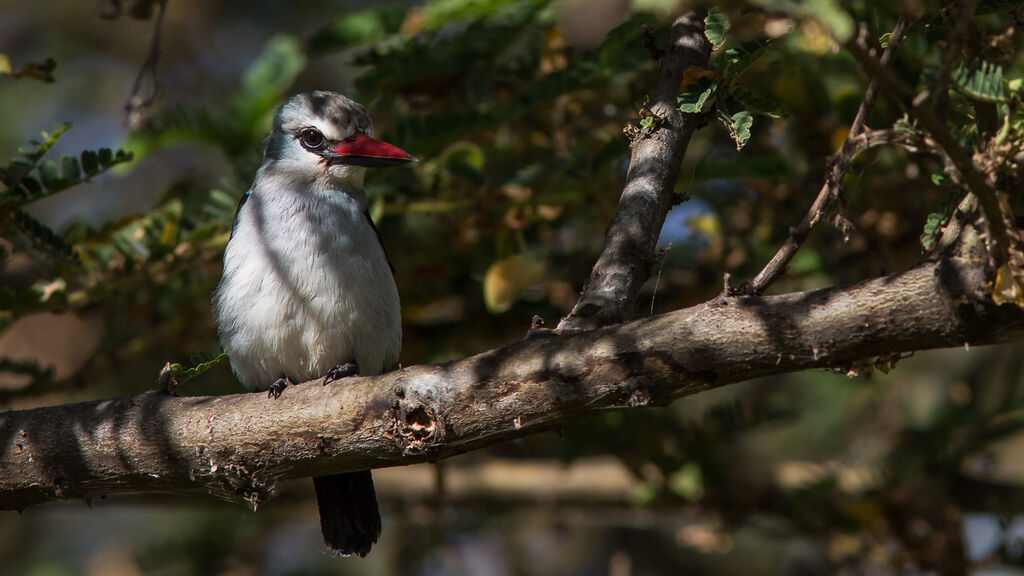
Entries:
{"x":974,"y":180}
{"x":135,"y":107}
{"x":831,"y":189}
{"x":959,"y":17}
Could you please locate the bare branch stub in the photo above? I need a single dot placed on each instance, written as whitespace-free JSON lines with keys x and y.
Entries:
{"x":611,"y":291}
{"x":831,"y":189}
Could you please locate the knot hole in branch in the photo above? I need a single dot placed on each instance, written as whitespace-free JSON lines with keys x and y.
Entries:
{"x":418,"y":428}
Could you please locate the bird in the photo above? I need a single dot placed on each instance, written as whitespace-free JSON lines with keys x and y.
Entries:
{"x":307,"y":290}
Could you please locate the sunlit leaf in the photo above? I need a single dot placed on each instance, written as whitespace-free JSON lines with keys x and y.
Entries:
{"x":696,"y":98}
{"x":738,"y":124}
{"x":716,"y":24}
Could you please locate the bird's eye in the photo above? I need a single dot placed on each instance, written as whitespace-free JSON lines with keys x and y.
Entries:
{"x":311,"y":138}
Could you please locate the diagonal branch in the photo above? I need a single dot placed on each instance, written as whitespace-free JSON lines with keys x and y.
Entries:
{"x":975,"y":181}
{"x":831,"y":190}
{"x":625,"y":263}
{"x":241,"y":447}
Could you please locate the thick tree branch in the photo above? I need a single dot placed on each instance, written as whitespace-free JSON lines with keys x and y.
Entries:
{"x":625,"y":263}
{"x":242,"y":446}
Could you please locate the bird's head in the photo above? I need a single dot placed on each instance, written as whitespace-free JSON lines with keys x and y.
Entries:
{"x":324,"y":136}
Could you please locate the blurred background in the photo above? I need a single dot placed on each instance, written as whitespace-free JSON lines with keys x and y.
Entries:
{"x":516,"y":110}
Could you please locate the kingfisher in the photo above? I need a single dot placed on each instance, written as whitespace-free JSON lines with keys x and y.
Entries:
{"x":307,"y":289}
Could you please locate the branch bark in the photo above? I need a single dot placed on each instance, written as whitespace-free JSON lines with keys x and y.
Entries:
{"x":241,"y":447}
{"x":610,"y":292}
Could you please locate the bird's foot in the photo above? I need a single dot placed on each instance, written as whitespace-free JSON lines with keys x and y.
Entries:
{"x":341,"y":371}
{"x":278,"y":387}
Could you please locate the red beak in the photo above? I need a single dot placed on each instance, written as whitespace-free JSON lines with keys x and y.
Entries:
{"x":361,"y":150}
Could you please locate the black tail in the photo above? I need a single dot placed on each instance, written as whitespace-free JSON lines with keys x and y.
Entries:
{"x":349,"y":517}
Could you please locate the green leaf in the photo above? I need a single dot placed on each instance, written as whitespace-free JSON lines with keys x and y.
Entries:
{"x":739,"y":59}
{"x":982,"y":81}
{"x":356,"y":29}
{"x":50,"y":176}
{"x":70,"y":170}
{"x":43,"y":237}
{"x":201,"y":363}
{"x":738,"y":125}
{"x":49,"y":140}
{"x":696,"y":97}
{"x":90,"y":162}
{"x":105,"y":156}
{"x":716,"y":24}
{"x":932,"y":227}
{"x":12,"y":174}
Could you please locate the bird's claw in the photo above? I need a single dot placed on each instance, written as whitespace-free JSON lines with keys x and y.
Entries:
{"x":277,"y":388}
{"x":341,"y":371}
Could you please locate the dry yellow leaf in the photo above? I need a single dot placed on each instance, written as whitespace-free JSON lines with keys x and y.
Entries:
{"x":507,"y":278}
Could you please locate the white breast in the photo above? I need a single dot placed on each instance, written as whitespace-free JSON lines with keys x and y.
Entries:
{"x":306,"y":286}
